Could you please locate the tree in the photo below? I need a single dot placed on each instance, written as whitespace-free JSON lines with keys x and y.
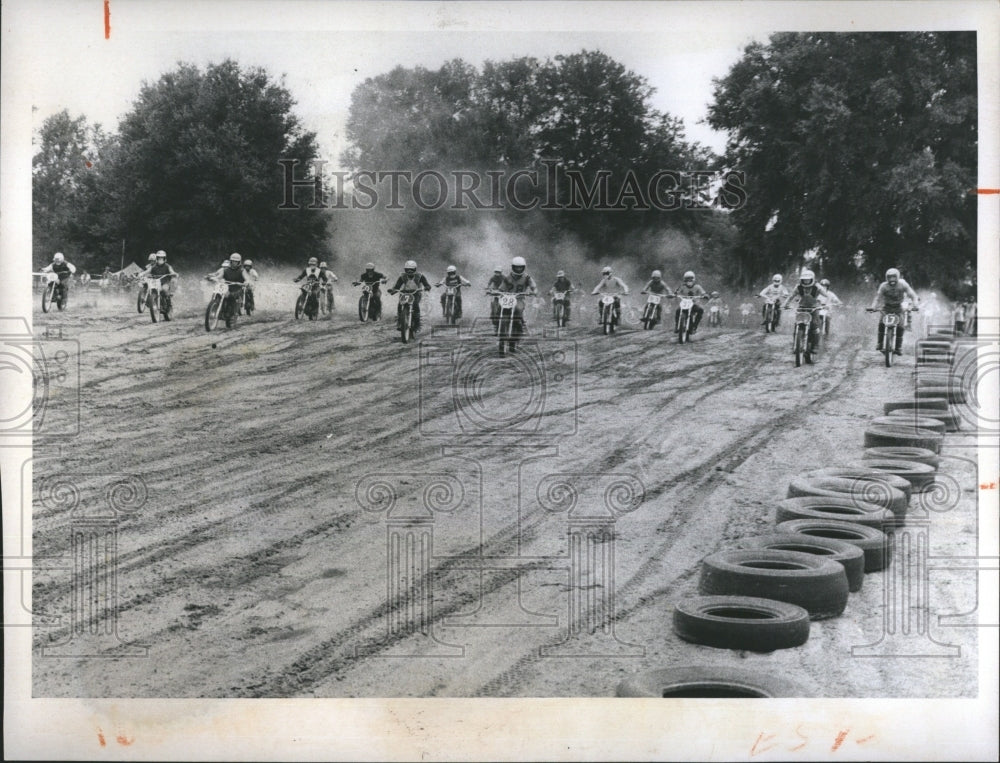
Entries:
{"x":861,"y":147}
{"x":67,"y":150}
{"x":195,"y":170}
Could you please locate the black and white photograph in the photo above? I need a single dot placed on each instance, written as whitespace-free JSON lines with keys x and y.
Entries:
{"x":447,"y":380}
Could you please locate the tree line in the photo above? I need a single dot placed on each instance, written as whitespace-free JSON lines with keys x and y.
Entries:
{"x":853,"y":152}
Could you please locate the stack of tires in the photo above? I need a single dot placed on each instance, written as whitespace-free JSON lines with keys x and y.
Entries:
{"x":832,"y":528}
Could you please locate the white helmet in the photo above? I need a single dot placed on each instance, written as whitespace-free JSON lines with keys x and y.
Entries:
{"x":235,"y":258}
{"x":313,"y":261}
{"x":370,"y":266}
{"x":161,"y":255}
{"x":225,"y":264}
{"x":58,"y":257}
{"x":152,"y":257}
{"x":248,"y":263}
{"x":656,"y":274}
{"x":891,"y":272}
{"x":410,"y":265}
{"x":518,"y":264}
{"x":777,"y":279}
{"x":561,"y":274}
{"x":825,"y":282}
{"x":323,"y":264}
{"x":498,"y":269}
{"x":451,"y":269}
{"x":806,"y":277}
{"x":689,"y":275}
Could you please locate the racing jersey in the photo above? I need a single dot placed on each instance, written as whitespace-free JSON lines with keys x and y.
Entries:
{"x":522,"y":283}
{"x":495,"y":282}
{"x":807,"y":296}
{"x":891,"y":297}
{"x":657,"y":287}
{"x":610,"y":285}
{"x":454,"y":279}
{"x":690,"y":291}
{"x":829,"y":299}
{"x":411,"y":282}
{"x":63,"y":269}
{"x":771,"y":291}
{"x":312,"y":271}
{"x":164,"y":271}
{"x":373,"y":278}
{"x":561,"y":284}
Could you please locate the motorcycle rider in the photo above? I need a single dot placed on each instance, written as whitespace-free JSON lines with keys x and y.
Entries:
{"x":808,"y":294}
{"x":453,"y":280}
{"x":656,"y":285}
{"x":890,"y":296}
{"x":372,"y":278}
{"x":61,"y":268}
{"x":777,"y":292}
{"x":252,"y":277}
{"x":563,"y":284}
{"x":694,"y":290}
{"x":410,"y":282}
{"x":331,"y":279}
{"x":829,"y":301}
{"x":518,"y":282}
{"x":160,"y":269}
{"x":715,"y":304}
{"x":610,"y":284}
{"x":494,"y":284}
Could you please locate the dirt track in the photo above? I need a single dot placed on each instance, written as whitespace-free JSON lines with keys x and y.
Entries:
{"x":258,"y":565}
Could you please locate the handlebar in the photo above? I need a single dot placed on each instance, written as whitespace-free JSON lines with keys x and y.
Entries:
{"x":495,"y":293}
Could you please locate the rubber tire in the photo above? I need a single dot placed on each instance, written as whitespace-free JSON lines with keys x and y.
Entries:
{"x":884,"y":494}
{"x":861,"y":471}
{"x":909,"y":419}
{"x":704,"y":681}
{"x":877,"y":435}
{"x":300,"y":306}
{"x":851,"y":557}
{"x":816,"y":584}
{"x":48,"y":294}
{"x":920,"y":455}
{"x":840,"y":509}
{"x":920,"y":476}
{"x":140,"y":300}
{"x":154,"y":307}
{"x":954,"y":394}
{"x":925,"y":405}
{"x":934,"y":380}
{"x":764,"y":626}
{"x":212,"y":312}
{"x":874,"y":543}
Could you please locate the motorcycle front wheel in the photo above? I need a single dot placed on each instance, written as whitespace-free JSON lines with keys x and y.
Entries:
{"x":300,"y":305}
{"x":153,"y":301}
{"x":212,"y":313}
{"x":140,"y":302}
{"x":799,"y":345}
{"x":47,"y":297}
{"x":363,"y":308}
{"x":889,"y":344}
{"x":683,"y":330}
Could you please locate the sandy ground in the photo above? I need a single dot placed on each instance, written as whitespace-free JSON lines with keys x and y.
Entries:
{"x":533,"y":494}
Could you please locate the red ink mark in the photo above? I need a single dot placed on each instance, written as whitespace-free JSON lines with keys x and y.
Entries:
{"x":107,"y":19}
{"x":797,"y":747}
{"x":100,"y":738}
{"x":865,"y":739}
{"x":988,"y":190}
{"x":987,"y":486}
{"x":89,"y":164}
{"x":839,"y":740}
{"x":124,"y":740}
{"x":761,"y":738}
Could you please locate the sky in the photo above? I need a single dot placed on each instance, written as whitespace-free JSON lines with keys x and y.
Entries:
{"x":325,"y":49}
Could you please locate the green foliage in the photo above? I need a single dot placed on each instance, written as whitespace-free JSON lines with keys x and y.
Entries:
{"x":859,"y":146}
{"x":194,"y":170}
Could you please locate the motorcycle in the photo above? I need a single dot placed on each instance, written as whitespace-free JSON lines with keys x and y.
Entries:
{"x":801,"y":341}
{"x":560,"y":307}
{"x":54,"y":291}
{"x":404,"y":312}
{"x":609,"y":317}
{"x":509,"y":324}
{"x":448,"y":306}
{"x":325,"y":299}
{"x":893,"y":325}
{"x":653,"y":310}
{"x":308,"y":302}
{"x":822,"y":316}
{"x":682,"y":324}
{"x":158,"y":300}
{"x":223,"y":304}
{"x":366,"y":304}
{"x":770,"y":314}
{"x":714,"y":316}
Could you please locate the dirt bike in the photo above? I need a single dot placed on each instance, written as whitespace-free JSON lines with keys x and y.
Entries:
{"x":893,"y":325}
{"x":653,"y":310}
{"x":325,"y":299}
{"x":404,"y":312}
{"x":249,"y":305}
{"x":223,"y":304}
{"x":308,"y":302}
{"x":366,"y":303}
{"x":746,"y":311}
{"x":448,"y":307}
{"x":822,"y":315}
{"x":158,"y":300}
{"x":609,"y":316}
{"x":507,"y":319}
{"x":683,"y":322}
{"x":714,"y":316}
{"x":560,"y":307}
{"x":770,"y":314}
{"x":142,"y":297}
{"x":801,"y":342}
{"x":54,"y":291}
